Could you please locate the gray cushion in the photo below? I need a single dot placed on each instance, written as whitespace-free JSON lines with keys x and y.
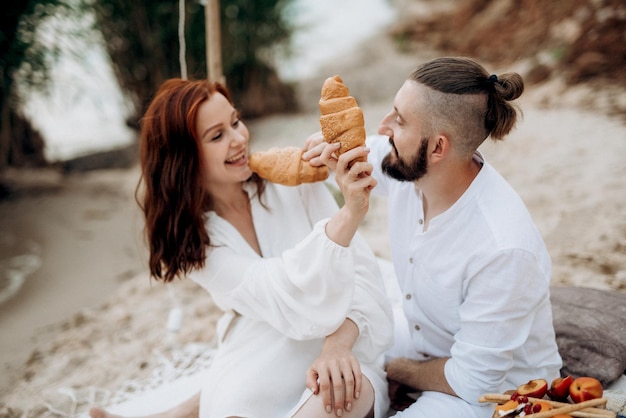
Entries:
{"x":590,"y":326}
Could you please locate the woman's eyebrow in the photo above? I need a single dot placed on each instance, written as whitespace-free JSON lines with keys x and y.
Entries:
{"x":209,"y":129}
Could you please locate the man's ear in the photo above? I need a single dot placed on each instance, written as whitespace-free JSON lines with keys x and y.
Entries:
{"x":441,"y":148}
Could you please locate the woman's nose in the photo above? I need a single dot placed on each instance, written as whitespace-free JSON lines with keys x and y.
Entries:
{"x":238,"y":137}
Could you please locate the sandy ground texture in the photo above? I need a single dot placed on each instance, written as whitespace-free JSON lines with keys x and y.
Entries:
{"x":90,"y":317}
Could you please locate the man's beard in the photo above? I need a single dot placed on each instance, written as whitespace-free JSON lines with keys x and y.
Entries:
{"x":411,"y":171}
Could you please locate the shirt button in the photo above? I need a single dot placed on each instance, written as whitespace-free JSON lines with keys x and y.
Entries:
{"x":411,"y":260}
{"x":408,"y":296}
{"x":421,"y":221}
{"x":417,"y":327}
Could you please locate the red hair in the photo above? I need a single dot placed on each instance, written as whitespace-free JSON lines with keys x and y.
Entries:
{"x":174,"y":199}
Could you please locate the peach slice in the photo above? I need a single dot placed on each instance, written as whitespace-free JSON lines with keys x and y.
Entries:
{"x":507,"y":406}
{"x":540,"y":406}
{"x":535,"y":388}
{"x":559,"y":388}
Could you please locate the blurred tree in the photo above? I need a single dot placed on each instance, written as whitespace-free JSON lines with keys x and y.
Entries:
{"x":141,"y":38}
{"x":23,"y":57}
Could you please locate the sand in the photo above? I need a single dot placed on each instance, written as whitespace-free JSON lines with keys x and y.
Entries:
{"x":90,"y":316}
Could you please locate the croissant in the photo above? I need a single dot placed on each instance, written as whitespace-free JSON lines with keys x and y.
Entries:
{"x":285,"y":166}
{"x":341,"y":118}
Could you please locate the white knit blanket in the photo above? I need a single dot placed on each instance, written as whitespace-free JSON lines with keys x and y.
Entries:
{"x":174,"y":379}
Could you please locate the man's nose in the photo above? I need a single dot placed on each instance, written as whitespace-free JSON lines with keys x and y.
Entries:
{"x":383,"y":126}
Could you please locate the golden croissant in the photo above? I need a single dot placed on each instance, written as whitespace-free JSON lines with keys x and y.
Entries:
{"x":285,"y":166}
{"x":342,"y":119}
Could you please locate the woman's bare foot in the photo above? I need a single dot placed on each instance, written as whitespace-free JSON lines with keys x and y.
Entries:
{"x":101,"y":413}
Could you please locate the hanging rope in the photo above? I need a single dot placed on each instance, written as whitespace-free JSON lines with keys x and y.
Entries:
{"x":181,"y":39}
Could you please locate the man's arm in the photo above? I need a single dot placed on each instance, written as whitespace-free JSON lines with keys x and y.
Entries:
{"x":420,"y":375}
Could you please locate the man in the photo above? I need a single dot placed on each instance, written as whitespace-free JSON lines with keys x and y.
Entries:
{"x":472,"y":267}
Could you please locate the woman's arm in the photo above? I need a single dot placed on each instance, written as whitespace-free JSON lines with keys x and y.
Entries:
{"x":356,"y":183}
{"x":336,"y":373}
{"x":316,"y":276}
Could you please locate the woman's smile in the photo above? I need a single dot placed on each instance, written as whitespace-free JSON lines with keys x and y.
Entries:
{"x":238,"y":159}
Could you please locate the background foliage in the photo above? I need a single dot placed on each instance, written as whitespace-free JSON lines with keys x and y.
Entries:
{"x":22,"y":55}
{"x":141,"y":38}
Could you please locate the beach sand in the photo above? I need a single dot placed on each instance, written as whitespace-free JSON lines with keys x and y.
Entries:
{"x":91,"y":317}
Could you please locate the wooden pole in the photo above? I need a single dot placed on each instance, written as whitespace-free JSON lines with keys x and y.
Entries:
{"x":213,"y":41}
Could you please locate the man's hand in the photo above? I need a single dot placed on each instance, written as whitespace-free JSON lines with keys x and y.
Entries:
{"x":314,"y":146}
{"x":401,"y":396}
{"x":420,"y":375}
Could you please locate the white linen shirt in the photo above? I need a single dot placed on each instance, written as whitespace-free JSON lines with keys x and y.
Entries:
{"x":475,"y":284}
{"x":284,"y":303}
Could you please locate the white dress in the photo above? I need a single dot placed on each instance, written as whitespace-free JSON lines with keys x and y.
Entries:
{"x":279,"y":307}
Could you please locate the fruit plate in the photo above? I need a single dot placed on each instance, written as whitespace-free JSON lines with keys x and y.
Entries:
{"x":594,"y":408}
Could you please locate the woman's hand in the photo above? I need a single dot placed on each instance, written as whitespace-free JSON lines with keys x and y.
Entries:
{"x":336,"y":373}
{"x":354,"y":178}
{"x":356,"y":183}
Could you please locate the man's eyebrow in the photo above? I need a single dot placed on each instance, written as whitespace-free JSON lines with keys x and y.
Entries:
{"x":395,"y":109}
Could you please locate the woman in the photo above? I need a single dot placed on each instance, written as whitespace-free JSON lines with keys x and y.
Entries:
{"x":306,"y":318}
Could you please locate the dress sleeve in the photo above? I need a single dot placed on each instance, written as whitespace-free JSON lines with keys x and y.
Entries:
{"x":371,"y":309}
{"x":503,"y":302}
{"x":305,"y":293}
